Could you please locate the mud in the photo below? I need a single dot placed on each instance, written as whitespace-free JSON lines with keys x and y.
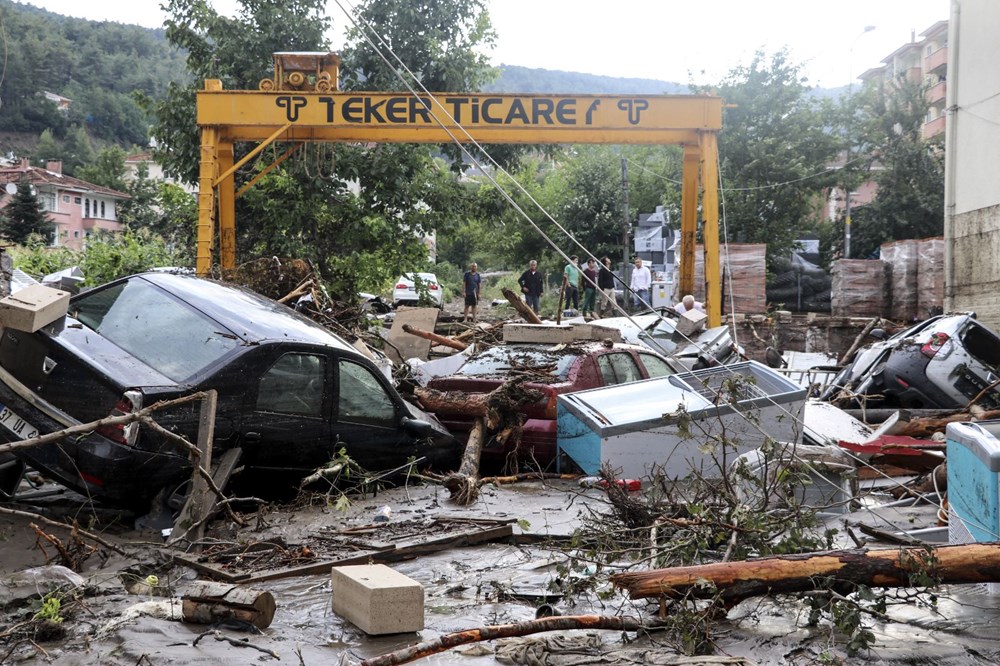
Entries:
{"x":464,"y":588}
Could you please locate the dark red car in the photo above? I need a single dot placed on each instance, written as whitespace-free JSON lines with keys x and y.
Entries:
{"x":553,"y":370}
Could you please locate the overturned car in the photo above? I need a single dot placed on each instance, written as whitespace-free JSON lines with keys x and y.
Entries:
{"x":945,"y":362}
{"x":291,"y":394}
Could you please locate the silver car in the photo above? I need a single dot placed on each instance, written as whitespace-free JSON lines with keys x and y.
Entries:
{"x":945,"y":362}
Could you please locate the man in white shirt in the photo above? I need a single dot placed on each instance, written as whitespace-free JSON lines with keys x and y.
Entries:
{"x":688,"y":303}
{"x":642,"y":280}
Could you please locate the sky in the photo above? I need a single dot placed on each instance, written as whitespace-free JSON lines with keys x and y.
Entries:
{"x":669,"y":40}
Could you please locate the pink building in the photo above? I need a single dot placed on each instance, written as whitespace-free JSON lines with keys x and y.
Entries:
{"x":77,"y":208}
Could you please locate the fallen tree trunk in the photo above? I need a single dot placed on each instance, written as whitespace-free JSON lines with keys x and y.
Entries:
{"x":450,"y":402}
{"x":526,"y":628}
{"x":464,"y":484}
{"x":209,"y":602}
{"x":522,"y":308}
{"x":845,"y":569}
{"x":434,"y":337}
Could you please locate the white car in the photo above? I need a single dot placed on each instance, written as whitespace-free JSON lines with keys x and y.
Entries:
{"x":417,"y":289}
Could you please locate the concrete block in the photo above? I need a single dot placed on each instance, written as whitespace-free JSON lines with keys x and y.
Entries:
{"x":33,"y":308}
{"x":377,"y":599}
{"x":691,"y":322}
{"x":538,"y":333}
{"x":596,"y":332}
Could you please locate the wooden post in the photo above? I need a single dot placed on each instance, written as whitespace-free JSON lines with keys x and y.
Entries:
{"x":190,"y":523}
{"x":562,"y":294}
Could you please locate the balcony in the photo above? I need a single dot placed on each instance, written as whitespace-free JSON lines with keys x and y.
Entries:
{"x":937,"y":62}
{"x":935,"y":95}
{"x":933,"y":127}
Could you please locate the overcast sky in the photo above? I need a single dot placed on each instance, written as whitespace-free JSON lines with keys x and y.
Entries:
{"x":670,"y":40}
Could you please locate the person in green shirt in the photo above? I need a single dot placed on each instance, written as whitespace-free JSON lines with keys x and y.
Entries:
{"x":571,"y":278}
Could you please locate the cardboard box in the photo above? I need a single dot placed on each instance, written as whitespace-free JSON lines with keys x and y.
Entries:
{"x":33,"y":307}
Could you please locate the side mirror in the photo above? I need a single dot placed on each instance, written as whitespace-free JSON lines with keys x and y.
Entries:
{"x":417,"y":427}
{"x":773,"y":358}
{"x":878,"y":334}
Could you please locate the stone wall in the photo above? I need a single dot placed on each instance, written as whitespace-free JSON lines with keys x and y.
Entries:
{"x":976,"y":270}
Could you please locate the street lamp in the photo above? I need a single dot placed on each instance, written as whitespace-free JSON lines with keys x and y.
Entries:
{"x":847,"y":159}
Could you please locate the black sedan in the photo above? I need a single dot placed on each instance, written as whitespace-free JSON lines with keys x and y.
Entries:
{"x":291,"y":394}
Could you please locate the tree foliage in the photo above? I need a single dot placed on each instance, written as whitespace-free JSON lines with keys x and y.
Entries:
{"x":908,"y":170}
{"x":773,"y":151}
{"x":96,"y":64}
{"x":24,"y":216}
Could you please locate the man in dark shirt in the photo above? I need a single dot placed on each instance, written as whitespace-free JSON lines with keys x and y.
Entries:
{"x":606,"y":283}
{"x":532,"y":286}
{"x":472,"y":279}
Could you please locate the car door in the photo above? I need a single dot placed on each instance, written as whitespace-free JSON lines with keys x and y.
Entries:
{"x":618,"y":368}
{"x":367,"y":415}
{"x":654,"y":365}
{"x":286,"y":429}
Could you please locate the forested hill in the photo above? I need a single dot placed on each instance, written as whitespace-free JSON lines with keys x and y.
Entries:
{"x":97,"y":65}
{"x":515,"y":79}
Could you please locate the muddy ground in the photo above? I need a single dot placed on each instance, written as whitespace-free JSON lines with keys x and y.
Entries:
{"x":465,"y":587}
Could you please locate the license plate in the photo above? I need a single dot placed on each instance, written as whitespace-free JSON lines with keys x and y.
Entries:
{"x":16,"y":424}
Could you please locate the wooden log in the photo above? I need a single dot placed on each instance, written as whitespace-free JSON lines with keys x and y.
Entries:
{"x":478,"y":329}
{"x":858,"y":340}
{"x":451,"y":402}
{"x":208,"y":602}
{"x":434,"y":337}
{"x":464,"y":484}
{"x":522,"y":308}
{"x":526,"y":628}
{"x":786,"y":574}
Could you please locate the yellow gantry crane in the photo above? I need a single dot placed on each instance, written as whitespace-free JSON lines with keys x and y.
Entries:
{"x":302,"y":104}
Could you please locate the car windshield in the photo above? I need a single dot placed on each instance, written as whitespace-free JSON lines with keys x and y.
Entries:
{"x":164,"y":333}
{"x":507,"y":361}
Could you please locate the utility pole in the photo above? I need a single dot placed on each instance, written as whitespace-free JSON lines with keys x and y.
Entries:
{"x":625,"y":226}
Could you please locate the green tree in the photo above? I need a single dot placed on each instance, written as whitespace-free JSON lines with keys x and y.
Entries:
{"x":78,"y":151}
{"x":773,"y":151}
{"x":909,"y":171}
{"x":24,"y":216}
{"x":109,"y":256}
{"x":47,"y":148}
{"x":307,"y":206}
{"x":107,"y":169}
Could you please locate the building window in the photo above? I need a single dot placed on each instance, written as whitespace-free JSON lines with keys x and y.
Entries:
{"x":65,"y":198}
{"x":76,"y":234}
{"x":86,"y":208}
{"x":76,"y":200}
{"x":47,"y":200}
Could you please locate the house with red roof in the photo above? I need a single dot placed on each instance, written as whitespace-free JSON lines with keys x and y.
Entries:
{"x":77,"y":208}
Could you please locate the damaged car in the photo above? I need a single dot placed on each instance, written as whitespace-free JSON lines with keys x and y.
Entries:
{"x":945,"y":362}
{"x":291,"y":394}
{"x":658,"y":330}
{"x":546,"y":371}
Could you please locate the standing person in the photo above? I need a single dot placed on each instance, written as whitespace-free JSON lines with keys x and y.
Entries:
{"x":606,"y":283}
{"x":532,"y":285}
{"x":571,"y":276}
{"x":472,"y":279}
{"x":642,"y":280}
{"x":589,"y":288}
